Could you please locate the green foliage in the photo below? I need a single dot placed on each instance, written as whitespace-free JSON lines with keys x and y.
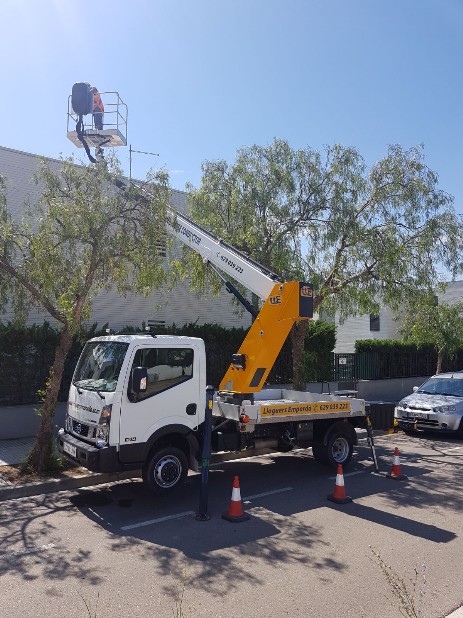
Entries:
{"x":439,"y":326}
{"x":387,"y":346}
{"x":373,"y":235}
{"x":318,"y":347}
{"x":81,"y":236}
{"x":26,"y":355}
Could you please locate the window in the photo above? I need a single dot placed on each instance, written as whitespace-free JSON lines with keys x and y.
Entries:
{"x":374,"y":322}
{"x":100,"y":365}
{"x":166,"y":368}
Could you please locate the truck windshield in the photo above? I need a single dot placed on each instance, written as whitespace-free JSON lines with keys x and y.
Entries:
{"x":99,"y":365}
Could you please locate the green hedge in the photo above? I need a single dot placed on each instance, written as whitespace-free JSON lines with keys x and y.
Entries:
{"x":390,"y":345}
{"x":27,"y":353}
{"x":391,"y":358}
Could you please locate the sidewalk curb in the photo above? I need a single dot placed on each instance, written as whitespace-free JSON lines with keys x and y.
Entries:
{"x":12,"y":492}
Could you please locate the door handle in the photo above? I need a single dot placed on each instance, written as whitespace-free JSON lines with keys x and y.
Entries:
{"x":191,"y":409}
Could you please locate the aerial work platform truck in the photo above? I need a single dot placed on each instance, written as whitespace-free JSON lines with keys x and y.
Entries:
{"x":138,"y":402}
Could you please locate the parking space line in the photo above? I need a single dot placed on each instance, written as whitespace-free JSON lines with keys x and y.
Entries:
{"x":267,"y":493}
{"x":157,"y":521}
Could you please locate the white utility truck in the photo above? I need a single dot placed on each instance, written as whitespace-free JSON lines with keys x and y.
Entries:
{"x":138,"y":401}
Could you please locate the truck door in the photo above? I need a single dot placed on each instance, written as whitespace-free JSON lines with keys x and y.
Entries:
{"x":172,"y":395}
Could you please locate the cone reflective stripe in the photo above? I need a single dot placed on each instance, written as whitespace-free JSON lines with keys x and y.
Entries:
{"x":396,"y":472}
{"x":339,"y":494}
{"x":235,"y":513}
{"x":236,"y":495}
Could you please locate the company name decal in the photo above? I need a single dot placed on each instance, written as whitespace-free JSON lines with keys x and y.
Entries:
{"x":305,"y":408}
{"x":79,"y":406}
{"x":192,"y":237}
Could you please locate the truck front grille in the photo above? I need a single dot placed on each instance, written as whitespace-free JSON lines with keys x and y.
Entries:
{"x":80,"y":429}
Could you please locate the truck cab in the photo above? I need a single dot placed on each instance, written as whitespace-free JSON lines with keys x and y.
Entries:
{"x":113,"y":424}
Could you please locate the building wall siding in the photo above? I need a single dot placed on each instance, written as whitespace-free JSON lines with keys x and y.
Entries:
{"x":357,"y":328}
{"x":179,"y":306}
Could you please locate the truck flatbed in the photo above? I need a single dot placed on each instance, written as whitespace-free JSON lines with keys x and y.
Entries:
{"x":287,"y":406}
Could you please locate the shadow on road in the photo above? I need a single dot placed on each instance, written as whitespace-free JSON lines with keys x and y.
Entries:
{"x":278,"y":491}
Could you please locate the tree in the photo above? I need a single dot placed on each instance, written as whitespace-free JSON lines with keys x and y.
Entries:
{"x":81,"y":236}
{"x":362,"y":237}
{"x":438,"y":325}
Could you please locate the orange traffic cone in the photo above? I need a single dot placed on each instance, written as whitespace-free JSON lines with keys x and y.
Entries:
{"x":396,"y":472}
{"x":339,"y":494}
{"x":235,"y":512}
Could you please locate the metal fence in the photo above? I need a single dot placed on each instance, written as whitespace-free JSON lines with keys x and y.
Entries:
{"x":394,"y":364}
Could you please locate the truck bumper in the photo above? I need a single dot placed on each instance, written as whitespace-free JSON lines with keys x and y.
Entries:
{"x":94,"y":459}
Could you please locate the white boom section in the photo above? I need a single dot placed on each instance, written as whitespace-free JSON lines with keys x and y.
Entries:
{"x":243,"y":269}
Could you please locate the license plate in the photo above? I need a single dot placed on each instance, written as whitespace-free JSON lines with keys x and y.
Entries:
{"x":421,"y":415}
{"x":69,"y":449}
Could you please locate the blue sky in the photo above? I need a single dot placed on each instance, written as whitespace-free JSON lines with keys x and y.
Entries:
{"x":203,"y":78}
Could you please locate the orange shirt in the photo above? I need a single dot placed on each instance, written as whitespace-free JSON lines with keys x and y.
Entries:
{"x":97,"y":102}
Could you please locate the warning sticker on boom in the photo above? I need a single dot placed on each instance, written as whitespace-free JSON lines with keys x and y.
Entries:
{"x":305,"y":408}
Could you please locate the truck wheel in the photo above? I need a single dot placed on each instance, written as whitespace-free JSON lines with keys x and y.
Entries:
{"x":166,"y":469}
{"x":338,"y":450}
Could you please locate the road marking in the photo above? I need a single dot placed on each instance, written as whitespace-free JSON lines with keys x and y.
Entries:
{"x":157,"y":521}
{"x":95,"y":514}
{"x":267,"y":493}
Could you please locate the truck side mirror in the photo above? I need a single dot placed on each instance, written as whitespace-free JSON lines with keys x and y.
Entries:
{"x":138,"y":382}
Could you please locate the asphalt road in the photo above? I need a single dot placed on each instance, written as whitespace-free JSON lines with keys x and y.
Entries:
{"x":114,"y":550}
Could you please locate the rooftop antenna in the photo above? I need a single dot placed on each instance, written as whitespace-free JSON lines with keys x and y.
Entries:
{"x":154,"y":154}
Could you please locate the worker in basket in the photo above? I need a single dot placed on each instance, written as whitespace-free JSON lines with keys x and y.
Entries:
{"x":98,"y":109}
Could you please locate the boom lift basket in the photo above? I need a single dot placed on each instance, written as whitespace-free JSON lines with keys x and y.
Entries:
{"x":114,"y":131}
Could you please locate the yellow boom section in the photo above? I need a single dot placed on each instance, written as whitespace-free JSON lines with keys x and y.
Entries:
{"x":288,"y":303}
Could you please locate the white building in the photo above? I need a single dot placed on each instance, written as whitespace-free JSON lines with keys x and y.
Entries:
{"x":179,"y":306}
{"x":383,"y":326}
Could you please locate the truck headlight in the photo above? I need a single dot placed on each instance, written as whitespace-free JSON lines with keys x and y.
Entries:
{"x":105,"y":416}
{"x":102,"y":429}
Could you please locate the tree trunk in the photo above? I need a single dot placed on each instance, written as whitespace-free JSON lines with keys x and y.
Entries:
{"x":298,"y":333}
{"x":39,"y":459}
{"x":440,"y":358}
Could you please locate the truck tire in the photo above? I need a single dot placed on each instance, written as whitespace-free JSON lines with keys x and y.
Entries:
{"x":165,"y":470}
{"x":338,"y":450}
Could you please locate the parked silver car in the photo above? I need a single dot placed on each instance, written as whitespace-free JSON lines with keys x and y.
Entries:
{"x":436,"y":405}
